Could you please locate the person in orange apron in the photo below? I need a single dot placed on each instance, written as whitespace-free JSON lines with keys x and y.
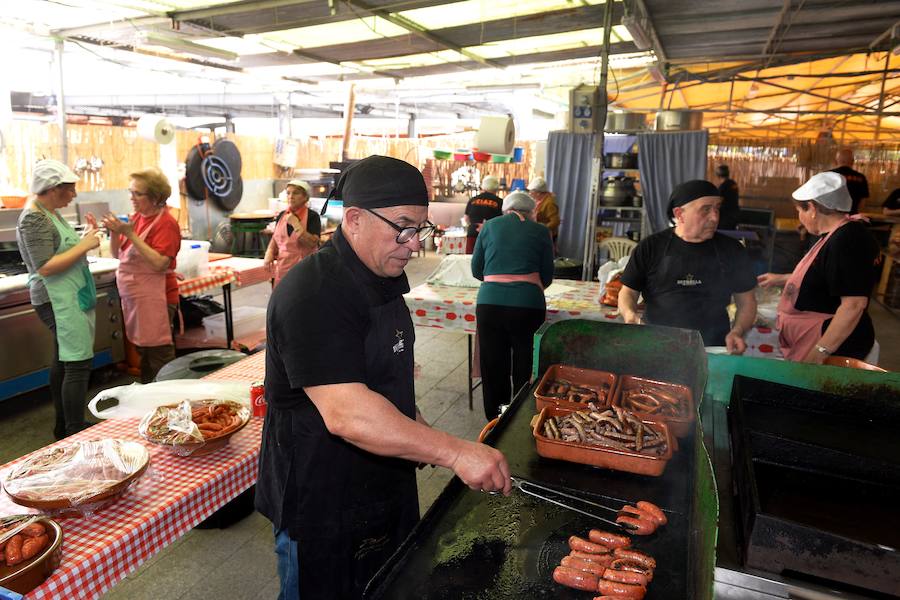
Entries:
{"x":146,"y":247}
{"x":297,"y":231}
{"x":514,"y":257}
{"x":546,"y":211}
{"x":823,"y":308}
{"x":61,"y":288}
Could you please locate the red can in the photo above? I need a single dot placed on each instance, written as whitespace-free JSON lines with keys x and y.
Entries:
{"x":258,"y":398}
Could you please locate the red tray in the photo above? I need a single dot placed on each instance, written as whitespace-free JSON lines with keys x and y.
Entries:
{"x":680,"y":424}
{"x":589,"y":378}
{"x":600,"y":456}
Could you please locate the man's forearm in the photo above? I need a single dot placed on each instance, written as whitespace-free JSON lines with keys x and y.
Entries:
{"x":628,"y":304}
{"x":364,"y":418}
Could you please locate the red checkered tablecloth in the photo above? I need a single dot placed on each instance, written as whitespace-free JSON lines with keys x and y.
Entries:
{"x":248,"y":271}
{"x":217,"y":277}
{"x":451,"y":307}
{"x":173,"y":495}
{"x":250,"y":369}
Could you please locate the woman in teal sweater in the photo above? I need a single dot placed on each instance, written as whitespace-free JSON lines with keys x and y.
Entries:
{"x":513,"y":256}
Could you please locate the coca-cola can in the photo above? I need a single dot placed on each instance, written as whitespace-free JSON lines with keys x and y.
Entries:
{"x":258,"y":398}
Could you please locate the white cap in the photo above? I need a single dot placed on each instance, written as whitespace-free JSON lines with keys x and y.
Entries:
{"x":490,"y":184}
{"x":519,"y":201}
{"x":49,"y":173}
{"x":828,"y":189}
{"x":301,"y":184}
{"x":538,"y":184}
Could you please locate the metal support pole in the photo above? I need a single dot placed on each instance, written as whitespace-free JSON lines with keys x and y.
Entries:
{"x":58,"y":49}
{"x":590,"y":242}
{"x":411,"y":132}
{"x":887,"y":61}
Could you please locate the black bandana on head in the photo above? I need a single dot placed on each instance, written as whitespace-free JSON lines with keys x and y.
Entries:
{"x":379,"y":182}
{"x":688,"y":192}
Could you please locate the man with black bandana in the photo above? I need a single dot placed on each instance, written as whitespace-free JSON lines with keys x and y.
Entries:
{"x":688,"y":273}
{"x":342,"y":436}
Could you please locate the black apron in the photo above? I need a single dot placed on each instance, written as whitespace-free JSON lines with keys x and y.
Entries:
{"x":354,"y":508}
{"x":690,"y":290}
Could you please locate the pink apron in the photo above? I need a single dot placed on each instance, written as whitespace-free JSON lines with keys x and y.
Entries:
{"x":799,"y":330}
{"x":143,"y":294}
{"x":289,"y":250}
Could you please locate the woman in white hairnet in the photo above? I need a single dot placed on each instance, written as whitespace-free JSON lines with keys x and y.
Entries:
{"x":823,"y":309}
{"x":546,"y":211}
{"x":514,"y":257}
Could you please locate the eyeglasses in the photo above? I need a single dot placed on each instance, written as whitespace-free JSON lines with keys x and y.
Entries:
{"x":404,"y":234}
{"x":138,"y":194}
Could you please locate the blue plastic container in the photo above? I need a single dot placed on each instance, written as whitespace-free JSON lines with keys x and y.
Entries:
{"x":518,"y":155}
{"x":517,"y":184}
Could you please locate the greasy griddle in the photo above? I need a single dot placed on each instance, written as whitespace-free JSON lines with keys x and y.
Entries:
{"x":818,"y":482}
{"x":474,"y":545}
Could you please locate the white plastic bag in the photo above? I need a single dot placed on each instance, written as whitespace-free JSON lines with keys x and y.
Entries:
{"x":137,"y":400}
{"x":607,"y":271}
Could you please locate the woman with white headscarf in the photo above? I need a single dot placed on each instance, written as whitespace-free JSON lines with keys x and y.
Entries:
{"x":514,"y":257}
{"x":824,"y":306}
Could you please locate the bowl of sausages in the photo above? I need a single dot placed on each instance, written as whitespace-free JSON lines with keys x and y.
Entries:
{"x":574,"y":388}
{"x":30,"y":549}
{"x":661,"y":401}
{"x":194,"y":428}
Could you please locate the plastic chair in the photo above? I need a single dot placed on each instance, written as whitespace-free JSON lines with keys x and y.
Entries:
{"x":617,"y":247}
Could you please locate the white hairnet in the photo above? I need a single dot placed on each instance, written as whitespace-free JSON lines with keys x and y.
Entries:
{"x":519,"y":201}
{"x":490,"y":184}
{"x":538,"y":184}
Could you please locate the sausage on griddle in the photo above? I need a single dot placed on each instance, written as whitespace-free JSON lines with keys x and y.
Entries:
{"x":574,"y":578}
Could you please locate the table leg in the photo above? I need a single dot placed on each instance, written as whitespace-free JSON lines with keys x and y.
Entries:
{"x":229,"y":325}
{"x":469,"y":385}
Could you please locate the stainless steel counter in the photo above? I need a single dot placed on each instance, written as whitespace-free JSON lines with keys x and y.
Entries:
{"x":28,"y":345}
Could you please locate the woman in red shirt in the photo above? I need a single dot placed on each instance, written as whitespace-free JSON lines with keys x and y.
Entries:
{"x":146,"y":247}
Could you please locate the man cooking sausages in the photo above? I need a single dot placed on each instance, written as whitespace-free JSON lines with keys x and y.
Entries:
{"x":689,"y":273}
{"x":343,"y":435}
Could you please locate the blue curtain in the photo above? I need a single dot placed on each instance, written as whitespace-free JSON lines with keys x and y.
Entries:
{"x":569,"y":177}
{"x":666,"y":159}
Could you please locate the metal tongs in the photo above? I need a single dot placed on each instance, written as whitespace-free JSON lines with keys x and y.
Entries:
{"x":628,"y":518}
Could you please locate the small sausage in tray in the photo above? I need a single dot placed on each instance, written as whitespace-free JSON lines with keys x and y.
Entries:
{"x":613,"y":428}
{"x":562,"y":389}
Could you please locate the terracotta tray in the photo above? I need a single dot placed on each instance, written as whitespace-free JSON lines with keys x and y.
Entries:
{"x":61,"y":503}
{"x":26,"y":576}
{"x":209,"y":446}
{"x":681,"y":424}
{"x":583,"y":377}
{"x":600,"y":456}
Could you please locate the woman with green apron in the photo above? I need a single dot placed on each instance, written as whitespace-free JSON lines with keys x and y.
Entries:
{"x":62,"y":289}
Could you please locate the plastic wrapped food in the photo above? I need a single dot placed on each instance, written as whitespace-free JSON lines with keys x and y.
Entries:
{"x":76,"y":474}
{"x":187,"y":427}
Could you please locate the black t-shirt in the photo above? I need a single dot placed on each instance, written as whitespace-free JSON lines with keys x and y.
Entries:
{"x":313,"y":222}
{"x":845,"y":266}
{"x":857,"y":185}
{"x":728,"y":214}
{"x":689,"y":285}
{"x":482,"y":207}
{"x":893,"y":201}
{"x":318,"y":325}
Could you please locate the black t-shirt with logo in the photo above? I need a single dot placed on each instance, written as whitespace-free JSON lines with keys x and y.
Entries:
{"x":689,"y":285}
{"x":845,"y":266}
{"x":482,"y":207}
{"x":857,"y":185}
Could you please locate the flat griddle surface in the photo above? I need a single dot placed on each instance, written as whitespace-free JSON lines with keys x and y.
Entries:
{"x":475,"y":545}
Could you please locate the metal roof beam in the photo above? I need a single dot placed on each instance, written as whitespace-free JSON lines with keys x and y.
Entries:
{"x":416,"y":29}
{"x":475,"y":34}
